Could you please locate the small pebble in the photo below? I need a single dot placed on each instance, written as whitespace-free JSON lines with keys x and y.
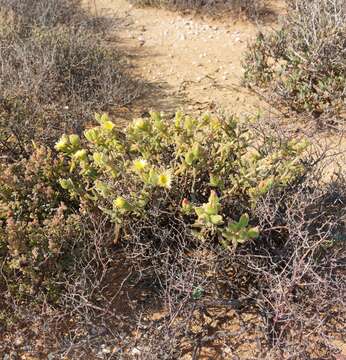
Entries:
{"x":135,"y":351}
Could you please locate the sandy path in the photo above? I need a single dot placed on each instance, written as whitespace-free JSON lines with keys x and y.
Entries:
{"x":192,"y":63}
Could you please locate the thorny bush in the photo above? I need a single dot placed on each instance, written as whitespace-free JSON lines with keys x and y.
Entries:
{"x":28,"y":14}
{"x":64,"y":66}
{"x":282,"y":297}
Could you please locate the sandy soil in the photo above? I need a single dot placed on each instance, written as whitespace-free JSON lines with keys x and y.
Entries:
{"x":192,"y":62}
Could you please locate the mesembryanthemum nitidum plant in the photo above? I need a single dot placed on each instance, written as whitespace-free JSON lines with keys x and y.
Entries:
{"x":206,"y":172}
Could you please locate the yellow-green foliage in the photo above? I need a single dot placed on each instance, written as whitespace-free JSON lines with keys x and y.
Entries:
{"x":205,"y":171}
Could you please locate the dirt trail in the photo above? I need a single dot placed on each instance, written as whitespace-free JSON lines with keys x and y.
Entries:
{"x":192,"y":62}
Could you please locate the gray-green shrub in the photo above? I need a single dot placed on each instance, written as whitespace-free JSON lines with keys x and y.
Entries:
{"x":304,"y":62}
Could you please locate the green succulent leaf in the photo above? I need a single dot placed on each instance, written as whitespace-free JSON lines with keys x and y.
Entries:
{"x":244,"y":220}
{"x":216,"y":219}
{"x":197,"y":293}
{"x":253,"y":233}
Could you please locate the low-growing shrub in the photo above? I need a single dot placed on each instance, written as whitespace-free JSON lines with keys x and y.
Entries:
{"x":23,"y":120}
{"x":38,"y":223}
{"x":52,"y":76}
{"x":198,"y":175}
{"x":215,"y":213}
{"x":304,"y":62}
{"x":64,"y":66}
{"x":251,"y":8}
{"x":49,"y":13}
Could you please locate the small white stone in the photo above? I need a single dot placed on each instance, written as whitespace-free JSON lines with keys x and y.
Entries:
{"x":106,"y":350}
{"x":135,"y":351}
{"x":18,"y":341}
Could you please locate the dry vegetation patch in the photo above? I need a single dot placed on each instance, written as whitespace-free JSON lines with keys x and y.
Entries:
{"x":251,"y":8}
{"x":56,"y":67}
{"x":303,"y":64}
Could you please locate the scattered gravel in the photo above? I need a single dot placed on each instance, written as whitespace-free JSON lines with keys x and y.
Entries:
{"x":181,"y":29}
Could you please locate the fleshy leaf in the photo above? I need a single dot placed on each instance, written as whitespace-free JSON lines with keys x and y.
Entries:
{"x":244,"y":220}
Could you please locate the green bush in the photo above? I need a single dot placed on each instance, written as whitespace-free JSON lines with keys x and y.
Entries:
{"x":304,"y":62}
{"x":38,"y":223}
{"x":206,"y":172}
